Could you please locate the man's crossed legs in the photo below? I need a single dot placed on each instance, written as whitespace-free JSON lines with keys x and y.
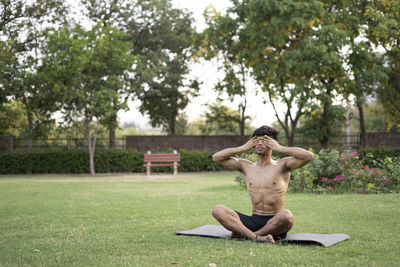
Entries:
{"x":247,"y":226}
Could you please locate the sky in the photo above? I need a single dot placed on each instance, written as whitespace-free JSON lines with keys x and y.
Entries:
{"x":206,"y":72}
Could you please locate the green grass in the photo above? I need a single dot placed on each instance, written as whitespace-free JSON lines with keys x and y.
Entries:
{"x":129,"y":220}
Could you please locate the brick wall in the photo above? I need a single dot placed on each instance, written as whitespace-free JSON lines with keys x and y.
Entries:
{"x":162,"y":143}
{"x":383,"y":139}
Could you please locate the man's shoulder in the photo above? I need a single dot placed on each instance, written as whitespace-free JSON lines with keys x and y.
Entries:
{"x":245,"y":161}
{"x":283,"y":161}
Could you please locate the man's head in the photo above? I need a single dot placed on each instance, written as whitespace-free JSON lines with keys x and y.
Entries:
{"x":260,"y":148}
{"x":266,"y":130}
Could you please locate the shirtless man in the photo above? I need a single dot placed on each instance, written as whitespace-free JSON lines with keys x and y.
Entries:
{"x":267,"y":181}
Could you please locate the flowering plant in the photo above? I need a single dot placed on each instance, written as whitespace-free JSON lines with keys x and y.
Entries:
{"x":356,"y":177}
{"x":240,"y":180}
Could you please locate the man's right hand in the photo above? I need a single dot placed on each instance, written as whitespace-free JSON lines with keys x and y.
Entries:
{"x":250,"y":144}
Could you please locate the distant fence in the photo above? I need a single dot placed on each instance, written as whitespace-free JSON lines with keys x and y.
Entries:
{"x":192,"y":142}
{"x":9,"y":143}
{"x":213,"y":143}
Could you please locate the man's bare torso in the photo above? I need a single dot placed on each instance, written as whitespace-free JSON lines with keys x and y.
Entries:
{"x":267,"y":186}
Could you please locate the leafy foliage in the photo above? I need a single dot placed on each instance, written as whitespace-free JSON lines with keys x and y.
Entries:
{"x":331,"y":171}
{"x":312,"y":124}
{"x":77,"y":161}
{"x":83,"y":69}
{"x":221,"y":40}
{"x":383,"y":29}
{"x":21,"y":39}
{"x":222,"y":120}
{"x":162,"y":41}
{"x":12,"y":119}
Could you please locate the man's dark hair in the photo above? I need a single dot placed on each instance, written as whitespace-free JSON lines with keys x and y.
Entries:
{"x":266,"y":130}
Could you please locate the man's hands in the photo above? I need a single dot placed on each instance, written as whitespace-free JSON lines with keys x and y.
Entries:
{"x":250,"y":144}
{"x":264,"y":141}
{"x":269,"y":142}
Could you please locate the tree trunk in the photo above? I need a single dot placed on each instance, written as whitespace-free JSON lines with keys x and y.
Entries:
{"x":242,"y":121}
{"x":324,"y":140}
{"x":112,"y":138}
{"x":112,"y":125}
{"x":244,"y":102}
{"x":362,"y":121}
{"x":91,"y":155}
{"x":91,"y":163}
{"x":242,"y":126}
{"x":290,"y":139}
{"x":287,"y":132}
{"x":325,"y":120}
{"x":172,"y":121}
{"x":92,"y":146}
{"x":31,"y":129}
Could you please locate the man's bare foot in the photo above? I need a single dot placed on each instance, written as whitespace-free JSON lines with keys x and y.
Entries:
{"x":266,"y":238}
{"x":237,"y":236}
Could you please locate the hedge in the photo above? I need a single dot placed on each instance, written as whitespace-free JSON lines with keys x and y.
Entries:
{"x":106,"y":161}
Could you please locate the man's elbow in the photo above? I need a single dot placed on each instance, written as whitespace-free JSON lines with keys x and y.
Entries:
{"x":309,"y":156}
{"x":215,"y":158}
{"x":218,"y":158}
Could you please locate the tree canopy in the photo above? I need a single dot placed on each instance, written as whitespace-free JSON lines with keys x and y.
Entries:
{"x":310,"y":54}
{"x":83,"y":68}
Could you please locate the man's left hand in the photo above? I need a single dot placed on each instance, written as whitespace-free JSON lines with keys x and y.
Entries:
{"x":271,"y":143}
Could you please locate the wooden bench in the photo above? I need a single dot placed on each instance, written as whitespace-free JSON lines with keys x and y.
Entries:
{"x":159,"y":159}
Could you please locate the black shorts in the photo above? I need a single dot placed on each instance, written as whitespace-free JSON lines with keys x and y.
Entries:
{"x":256,"y":222}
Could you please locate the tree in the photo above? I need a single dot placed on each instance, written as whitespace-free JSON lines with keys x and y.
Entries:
{"x":383,"y":20}
{"x":161,"y":38}
{"x":181,"y":124}
{"x":84,"y":67}
{"x":362,"y":65}
{"x":276,"y":43}
{"x":113,"y":13}
{"x":375,"y":118}
{"x":21,"y":26}
{"x":163,"y":65}
{"x":312,"y":124}
{"x":8,"y":61}
{"x":12,"y":119}
{"x":222,"y":120}
{"x":221,"y":40}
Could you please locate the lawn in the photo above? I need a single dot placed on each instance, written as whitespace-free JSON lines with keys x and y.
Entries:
{"x":129,"y":220}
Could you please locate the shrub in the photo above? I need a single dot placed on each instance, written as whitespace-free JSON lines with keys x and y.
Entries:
{"x":77,"y":161}
{"x":357,"y":177}
{"x":70,"y":161}
{"x":324,"y":164}
{"x":302,"y":180}
{"x":241,"y":182}
{"x":198,"y":161}
{"x":393,"y":169}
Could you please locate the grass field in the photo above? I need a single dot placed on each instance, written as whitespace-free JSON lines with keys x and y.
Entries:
{"x":129,"y":220}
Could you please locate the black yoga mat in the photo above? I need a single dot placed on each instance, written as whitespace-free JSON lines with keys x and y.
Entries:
{"x":219,"y":231}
